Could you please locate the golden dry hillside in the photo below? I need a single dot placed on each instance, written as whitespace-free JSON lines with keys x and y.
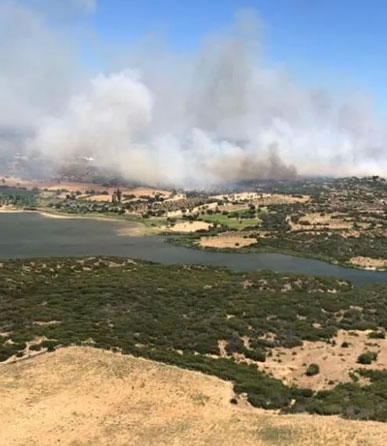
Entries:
{"x":84,"y":396}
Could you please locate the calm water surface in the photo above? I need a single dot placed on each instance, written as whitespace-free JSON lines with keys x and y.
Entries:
{"x":24,"y":235}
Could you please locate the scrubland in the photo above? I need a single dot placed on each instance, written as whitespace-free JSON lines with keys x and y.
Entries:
{"x":242,"y":327}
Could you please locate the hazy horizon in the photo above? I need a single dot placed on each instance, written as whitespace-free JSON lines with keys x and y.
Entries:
{"x":213,"y":108}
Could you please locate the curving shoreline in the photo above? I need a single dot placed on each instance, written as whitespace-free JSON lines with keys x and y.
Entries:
{"x":137,"y":229}
{"x":190,"y":243}
{"x":54,"y":214}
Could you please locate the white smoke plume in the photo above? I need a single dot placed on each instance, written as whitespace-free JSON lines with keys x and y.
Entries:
{"x":87,"y":5}
{"x":220,"y":115}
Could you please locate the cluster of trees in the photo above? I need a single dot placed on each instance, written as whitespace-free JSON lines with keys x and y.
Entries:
{"x":20,"y":197}
{"x":275,"y":219}
{"x":328,"y":246}
{"x":87,"y":207}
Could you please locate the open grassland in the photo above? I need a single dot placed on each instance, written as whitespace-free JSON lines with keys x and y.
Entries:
{"x":83,"y":396}
{"x":219,"y":322}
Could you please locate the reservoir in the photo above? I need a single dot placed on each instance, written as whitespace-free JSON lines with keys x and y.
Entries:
{"x":27,"y":235}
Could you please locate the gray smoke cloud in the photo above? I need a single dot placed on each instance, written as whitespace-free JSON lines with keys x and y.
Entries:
{"x":218,"y":115}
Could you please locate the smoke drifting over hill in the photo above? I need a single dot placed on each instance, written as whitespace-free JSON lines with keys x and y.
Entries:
{"x":219,"y":115}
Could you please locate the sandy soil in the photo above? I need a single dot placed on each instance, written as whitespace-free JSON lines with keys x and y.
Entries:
{"x":58,"y":216}
{"x":176,"y":197}
{"x":267,"y":199}
{"x":80,"y":186}
{"x":72,"y":187}
{"x":50,"y":185}
{"x":226,"y":241}
{"x":82,"y":396}
{"x":148,"y":191}
{"x":17,"y":182}
{"x":72,"y":216}
{"x":264,"y":199}
{"x":192,"y":226}
{"x":99,"y":198}
{"x":10,"y":210}
{"x":318,"y":221}
{"x":335,"y":362}
{"x":369,"y":263}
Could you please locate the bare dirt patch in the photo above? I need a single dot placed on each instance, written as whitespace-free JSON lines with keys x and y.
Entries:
{"x":226,"y":240}
{"x":100,"y":198}
{"x":369,"y":263}
{"x":264,"y":199}
{"x":175,"y":197}
{"x":82,"y":187}
{"x":74,"y":216}
{"x":18,"y":182}
{"x":9,"y":210}
{"x":335,"y":361}
{"x":45,"y":323}
{"x":268,"y":199}
{"x":147,"y":191}
{"x":60,"y":216}
{"x":191,"y":226}
{"x":320,"y":221}
{"x":83,"y":396}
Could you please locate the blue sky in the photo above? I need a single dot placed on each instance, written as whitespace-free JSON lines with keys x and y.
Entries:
{"x":340,"y":45}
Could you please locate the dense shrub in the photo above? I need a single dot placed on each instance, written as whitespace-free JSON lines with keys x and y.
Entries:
{"x":367,"y":358}
{"x":377,"y":335}
{"x":313,"y":369}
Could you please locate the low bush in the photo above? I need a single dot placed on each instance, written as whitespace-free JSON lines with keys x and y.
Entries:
{"x":313,"y":369}
{"x":367,"y":358}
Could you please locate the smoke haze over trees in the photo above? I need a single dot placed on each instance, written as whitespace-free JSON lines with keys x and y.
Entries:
{"x":217,"y":114}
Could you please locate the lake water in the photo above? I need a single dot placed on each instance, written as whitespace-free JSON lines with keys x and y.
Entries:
{"x":24,"y":235}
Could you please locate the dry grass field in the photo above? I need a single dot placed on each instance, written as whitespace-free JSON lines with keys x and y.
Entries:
{"x":191,"y":226}
{"x":369,"y":263}
{"x":83,"y":396}
{"x":336,"y":363}
{"x":82,"y":187}
{"x":227,"y":240}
